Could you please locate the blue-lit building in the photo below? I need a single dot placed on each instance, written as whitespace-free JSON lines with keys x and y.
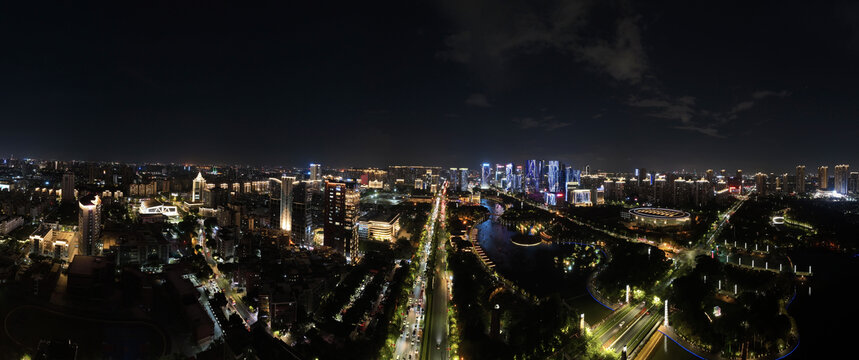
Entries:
{"x":463,"y":179}
{"x":553,"y":173}
{"x":485,"y":175}
{"x":532,"y":182}
{"x":508,"y":174}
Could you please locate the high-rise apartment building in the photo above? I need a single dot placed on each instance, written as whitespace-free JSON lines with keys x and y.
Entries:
{"x":89,"y":225}
{"x":800,"y":179}
{"x":68,"y":187}
{"x":341,"y":212}
{"x":853,"y":182}
{"x":823,"y":177}
{"x":300,"y":229}
{"x":842,"y":173}
{"x":761,"y":183}
{"x":315,"y":172}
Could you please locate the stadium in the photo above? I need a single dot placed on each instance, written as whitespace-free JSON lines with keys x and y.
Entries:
{"x":659,"y":218}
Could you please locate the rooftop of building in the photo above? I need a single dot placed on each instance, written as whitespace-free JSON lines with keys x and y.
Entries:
{"x":381,"y":216}
{"x":85,"y":265}
{"x":90,"y":200}
{"x":41,"y":232}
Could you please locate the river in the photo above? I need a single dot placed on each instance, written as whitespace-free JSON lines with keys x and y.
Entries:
{"x":532,"y":267}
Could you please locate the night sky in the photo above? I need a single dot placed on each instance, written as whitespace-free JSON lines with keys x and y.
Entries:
{"x":613,"y":84}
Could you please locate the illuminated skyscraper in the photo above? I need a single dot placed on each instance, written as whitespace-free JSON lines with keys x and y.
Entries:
{"x":800,"y":179}
{"x":287,"y":182}
{"x":197,"y":187}
{"x":531,"y":180}
{"x":711,"y":176}
{"x":315,"y":172}
{"x":823,"y":177}
{"x":761,"y":183}
{"x":453,"y":174}
{"x":68,"y":187}
{"x":89,"y":225}
{"x":463,"y":179}
{"x":552,"y":172}
{"x":485,"y":176}
{"x":275,"y":202}
{"x":508,"y":174}
{"x":842,"y":173}
{"x":341,"y":211}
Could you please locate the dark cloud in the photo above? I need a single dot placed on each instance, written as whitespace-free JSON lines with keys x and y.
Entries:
{"x":762,"y":94}
{"x":478,"y":100}
{"x":544,"y":123}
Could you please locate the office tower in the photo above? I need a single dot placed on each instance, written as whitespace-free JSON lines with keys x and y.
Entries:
{"x":508,"y":175}
{"x":68,"y":187}
{"x":341,"y":211}
{"x":531,"y":181}
{"x":453,"y":175}
{"x":542,"y":182}
{"x":553,"y":176}
{"x":761,"y":183}
{"x":841,"y":174}
{"x":315,"y":172}
{"x":573,"y":176}
{"x":463,"y":179}
{"x":89,"y":225}
{"x":499,"y":174}
{"x":800,"y":179}
{"x":286,"y":197}
{"x":711,"y":175}
{"x":484,"y":176}
{"x":197,"y":187}
{"x":823,"y":177}
{"x":335,"y":215}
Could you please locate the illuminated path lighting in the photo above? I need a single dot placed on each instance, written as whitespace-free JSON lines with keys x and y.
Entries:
{"x":665,"y":322}
{"x":627,"y":294}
